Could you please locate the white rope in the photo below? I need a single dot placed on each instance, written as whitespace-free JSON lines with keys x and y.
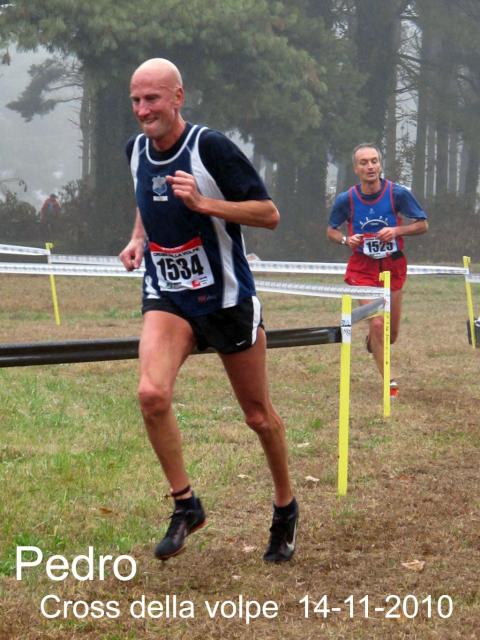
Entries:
{"x":473,"y":277}
{"x":325,"y":291}
{"x":67,"y":270}
{"x":71,"y":259}
{"x":263,"y":266}
{"x":77,"y":265}
{"x":328,"y":291}
{"x":421,"y":270}
{"x":25,"y":251}
{"x":256,"y":265}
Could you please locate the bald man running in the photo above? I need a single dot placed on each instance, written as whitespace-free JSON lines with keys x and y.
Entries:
{"x":194,"y":188}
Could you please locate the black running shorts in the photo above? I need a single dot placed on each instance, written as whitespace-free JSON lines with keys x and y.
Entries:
{"x":229,"y":330}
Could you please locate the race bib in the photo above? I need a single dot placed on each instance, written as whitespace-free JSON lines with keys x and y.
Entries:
{"x":375,"y":248}
{"x":183,"y":267}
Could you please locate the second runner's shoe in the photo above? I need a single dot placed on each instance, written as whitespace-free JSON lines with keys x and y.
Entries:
{"x":393,"y":390}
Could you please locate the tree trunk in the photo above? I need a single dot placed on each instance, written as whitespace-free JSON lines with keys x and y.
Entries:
{"x":471,"y":178}
{"x":391,"y":165}
{"x":424,"y":98}
{"x":464,"y":155}
{"x":341,"y":177}
{"x":286,"y":188}
{"x":430,"y":184}
{"x":441,"y":184}
{"x":312,"y":188}
{"x":114,"y":201}
{"x":87,"y":127}
{"x":270,"y":176}
{"x":453,"y":163}
{"x":376,"y":25}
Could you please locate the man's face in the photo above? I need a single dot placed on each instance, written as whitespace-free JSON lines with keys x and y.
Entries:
{"x":367,"y":165}
{"x":156,"y":102}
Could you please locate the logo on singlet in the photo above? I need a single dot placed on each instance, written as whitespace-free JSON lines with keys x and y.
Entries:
{"x":381,"y":221}
{"x":159,"y":187}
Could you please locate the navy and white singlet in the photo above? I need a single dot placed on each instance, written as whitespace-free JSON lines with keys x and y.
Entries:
{"x":197,"y":260}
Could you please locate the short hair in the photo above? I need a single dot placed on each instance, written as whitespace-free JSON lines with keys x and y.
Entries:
{"x":367,"y":145}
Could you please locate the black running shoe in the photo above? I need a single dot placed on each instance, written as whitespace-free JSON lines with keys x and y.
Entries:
{"x":283,"y":533}
{"x":183,"y":523}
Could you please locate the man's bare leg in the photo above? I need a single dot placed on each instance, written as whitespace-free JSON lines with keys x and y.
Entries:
{"x":375,"y":335}
{"x":165,"y":343}
{"x":248,"y":376}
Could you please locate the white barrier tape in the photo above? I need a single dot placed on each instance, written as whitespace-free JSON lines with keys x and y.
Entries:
{"x":70,"y":259}
{"x":25,"y":251}
{"x":257,"y":266}
{"x":262,"y":285}
{"x":67,"y":270}
{"x":473,"y":277}
{"x":282,"y":287}
{"x":317,"y":290}
{"x":420,"y":270}
{"x":261,"y":266}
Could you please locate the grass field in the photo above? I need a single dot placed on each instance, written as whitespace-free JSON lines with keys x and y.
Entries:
{"x":77,"y":470}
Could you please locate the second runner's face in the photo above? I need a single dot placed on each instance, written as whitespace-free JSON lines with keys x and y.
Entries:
{"x":367,"y":166}
{"x":156,"y":106}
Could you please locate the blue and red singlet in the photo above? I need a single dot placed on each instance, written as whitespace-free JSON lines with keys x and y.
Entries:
{"x":367,"y":214}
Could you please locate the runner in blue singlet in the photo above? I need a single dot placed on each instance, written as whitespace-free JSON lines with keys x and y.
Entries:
{"x":194,"y":188}
{"x":372,"y":212}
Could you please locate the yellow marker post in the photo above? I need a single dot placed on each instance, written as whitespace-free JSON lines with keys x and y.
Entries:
{"x":49,"y":246}
{"x":344,"y":398}
{"x":385,"y":277}
{"x":468,"y":289}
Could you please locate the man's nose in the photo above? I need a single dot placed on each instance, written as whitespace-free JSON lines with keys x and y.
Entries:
{"x":141,"y":108}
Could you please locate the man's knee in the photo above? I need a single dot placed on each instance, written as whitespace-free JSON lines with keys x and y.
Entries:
{"x":376,"y":327}
{"x":154,"y":400}
{"x":263,"y":421}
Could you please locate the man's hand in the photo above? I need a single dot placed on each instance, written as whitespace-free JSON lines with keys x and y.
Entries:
{"x":132,"y":255}
{"x":387,"y":234}
{"x":355,"y":241}
{"x":184,"y":187}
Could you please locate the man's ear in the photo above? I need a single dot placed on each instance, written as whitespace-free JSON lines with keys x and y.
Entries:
{"x":179,"y":97}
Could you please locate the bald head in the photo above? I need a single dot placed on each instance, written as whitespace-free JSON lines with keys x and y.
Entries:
{"x":162,"y":70}
{"x":157,"y":97}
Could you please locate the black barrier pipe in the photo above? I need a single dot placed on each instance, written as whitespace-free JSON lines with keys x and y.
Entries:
{"x":40,"y":353}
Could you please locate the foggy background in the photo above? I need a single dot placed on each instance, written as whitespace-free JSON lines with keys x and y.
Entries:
{"x":45,"y":152}
{"x":297,"y":84}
